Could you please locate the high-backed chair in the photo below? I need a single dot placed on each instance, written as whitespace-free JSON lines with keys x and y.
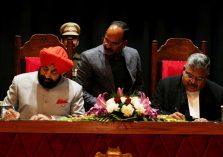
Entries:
{"x":27,"y":54}
{"x":169,"y":58}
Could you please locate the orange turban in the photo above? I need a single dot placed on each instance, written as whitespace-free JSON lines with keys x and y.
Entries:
{"x":56,"y":56}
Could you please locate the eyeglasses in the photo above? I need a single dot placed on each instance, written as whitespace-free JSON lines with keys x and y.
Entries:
{"x":107,"y":41}
{"x":191,"y":76}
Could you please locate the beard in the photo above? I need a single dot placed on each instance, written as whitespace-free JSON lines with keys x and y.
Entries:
{"x":47,"y":82}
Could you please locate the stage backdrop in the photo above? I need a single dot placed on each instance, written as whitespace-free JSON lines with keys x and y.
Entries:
{"x":197,"y":20}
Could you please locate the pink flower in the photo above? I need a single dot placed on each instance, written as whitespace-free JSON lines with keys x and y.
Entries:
{"x":120,"y":92}
{"x":123,"y":107}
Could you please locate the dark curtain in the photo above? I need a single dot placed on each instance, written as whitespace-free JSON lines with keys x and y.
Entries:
{"x":197,"y":20}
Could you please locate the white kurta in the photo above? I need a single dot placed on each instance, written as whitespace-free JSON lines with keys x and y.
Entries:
{"x":30,"y":98}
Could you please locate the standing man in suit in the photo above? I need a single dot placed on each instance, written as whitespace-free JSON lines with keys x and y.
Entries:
{"x":110,"y":65}
{"x":190,"y":96}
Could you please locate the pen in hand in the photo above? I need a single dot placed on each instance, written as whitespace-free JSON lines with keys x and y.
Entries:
{"x":186,"y":116}
{"x":176,"y":109}
{"x":177,"y":114}
{"x":10,"y":113}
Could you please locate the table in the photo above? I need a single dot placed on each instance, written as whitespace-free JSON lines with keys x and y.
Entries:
{"x":84,"y":138}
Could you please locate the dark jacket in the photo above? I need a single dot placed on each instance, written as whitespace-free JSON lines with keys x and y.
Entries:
{"x":170,"y":96}
{"x":95,"y":74}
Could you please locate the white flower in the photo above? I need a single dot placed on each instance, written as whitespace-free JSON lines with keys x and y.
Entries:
{"x":110,"y":101}
{"x":137,"y":105}
{"x":123,"y":99}
{"x":112,"y":106}
{"x":123,"y":107}
{"x":127,"y":110}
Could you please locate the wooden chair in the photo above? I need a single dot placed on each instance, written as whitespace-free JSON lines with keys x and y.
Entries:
{"x":32,"y":47}
{"x":174,"y":49}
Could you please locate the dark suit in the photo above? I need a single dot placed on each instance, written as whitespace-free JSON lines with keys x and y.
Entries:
{"x":95,"y":74}
{"x":170,"y":96}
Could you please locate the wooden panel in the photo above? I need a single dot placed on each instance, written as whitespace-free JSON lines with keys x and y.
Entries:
{"x":195,"y":128}
{"x":85,"y":139}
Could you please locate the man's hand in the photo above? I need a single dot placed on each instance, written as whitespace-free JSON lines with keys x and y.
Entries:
{"x":178,"y":116}
{"x":11,"y":114}
{"x":200,"y":120}
{"x":41,"y":117}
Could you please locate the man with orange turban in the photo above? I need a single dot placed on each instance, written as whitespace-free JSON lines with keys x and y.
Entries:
{"x":45,"y":94}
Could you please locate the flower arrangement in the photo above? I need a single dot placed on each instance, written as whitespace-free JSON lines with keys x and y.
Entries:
{"x":123,"y":108}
